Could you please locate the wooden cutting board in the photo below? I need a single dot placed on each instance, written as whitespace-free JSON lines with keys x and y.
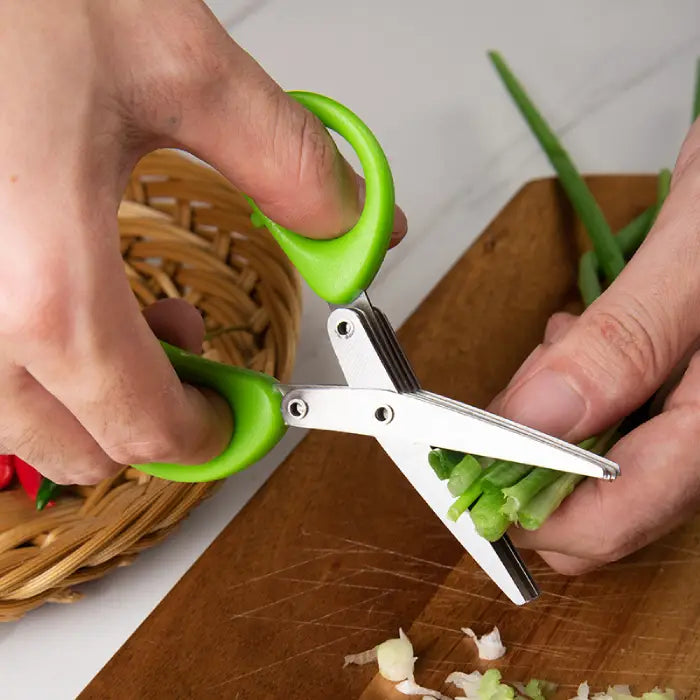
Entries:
{"x":337,"y":551}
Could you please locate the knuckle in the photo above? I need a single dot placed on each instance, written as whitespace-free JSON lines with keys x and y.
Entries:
{"x":164,"y":444}
{"x":201,"y":74}
{"x":570,"y":566}
{"x":300,"y":147}
{"x":622,"y":342}
{"x":190,"y":72}
{"x":689,"y":154}
{"x":38,"y":311}
{"x":612,"y":540}
{"x":94,"y":473}
{"x":621,"y":544}
{"x":316,"y":161}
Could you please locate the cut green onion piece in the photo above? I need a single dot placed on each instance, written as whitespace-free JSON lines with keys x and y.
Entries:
{"x":520,"y":494}
{"x":502,"y":474}
{"x":465,"y":473}
{"x":499,"y":475}
{"x":444,"y":461}
{"x":492,"y":688}
{"x":539,"y":690}
{"x":466,"y":499}
{"x":534,"y":514}
{"x":487,"y":515}
{"x":579,"y":194}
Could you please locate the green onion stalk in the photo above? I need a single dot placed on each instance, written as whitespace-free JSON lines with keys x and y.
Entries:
{"x":502,"y":493}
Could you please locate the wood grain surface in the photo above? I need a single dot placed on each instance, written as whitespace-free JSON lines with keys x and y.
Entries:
{"x":337,"y":551}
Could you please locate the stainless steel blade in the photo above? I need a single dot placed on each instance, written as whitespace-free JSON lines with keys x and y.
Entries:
{"x":498,"y":559}
{"x":370,"y":356}
{"x":424,"y":418}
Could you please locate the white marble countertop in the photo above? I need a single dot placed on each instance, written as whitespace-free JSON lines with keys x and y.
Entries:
{"x":614,"y":78}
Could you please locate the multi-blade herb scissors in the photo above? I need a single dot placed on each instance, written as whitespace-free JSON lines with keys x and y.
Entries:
{"x":383,"y":397}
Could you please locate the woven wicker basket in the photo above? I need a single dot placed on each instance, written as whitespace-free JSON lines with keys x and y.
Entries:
{"x":185,"y":232}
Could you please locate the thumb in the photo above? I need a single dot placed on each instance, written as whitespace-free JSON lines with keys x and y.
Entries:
{"x":621,"y":349}
{"x":235,"y":117}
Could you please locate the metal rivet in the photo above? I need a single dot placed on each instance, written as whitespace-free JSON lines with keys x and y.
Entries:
{"x":344,"y":329}
{"x":298,"y":408}
{"x":384,"y":414}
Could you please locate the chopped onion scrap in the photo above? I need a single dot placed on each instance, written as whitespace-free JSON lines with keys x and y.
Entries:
{"x":396,"y":663}
{"x":468,"y":683}
{"x":489,"y":646}
{"x":410,"y":687}
{"x":364,"y":657}
{"x":582,"y":692}
{"x":395,"y":658}
{"x":623,"y":692}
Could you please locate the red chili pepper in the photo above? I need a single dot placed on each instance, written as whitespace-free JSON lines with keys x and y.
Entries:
{"x":28,"y":477}
{"x":31,"y":481}
{"x":7,"y":470}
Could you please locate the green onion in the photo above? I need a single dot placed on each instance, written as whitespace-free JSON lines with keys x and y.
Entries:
{"x":579,"y":194}
{"x":466,"y":499}
{"x":499,"y":475}
{"x":503,"y":473}
{"x":533,"y":515}
{"x":588,"y":282}
{"x":522,"y":492}
{"x":663,"y":187}
{"x":489,"y":519}
{"x":630,"y":237}
{"x":518,"y":495}
{"x":444,"y":461}
{"x":539,"y":690}
{"x":503,"y":492}
{"x":492,"y":688}
{"x":487,"y":515}
{"x":464,"y":474}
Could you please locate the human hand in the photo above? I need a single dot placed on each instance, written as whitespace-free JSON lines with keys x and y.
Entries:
{"x":88,"y":89}
{"x":594,"y":370}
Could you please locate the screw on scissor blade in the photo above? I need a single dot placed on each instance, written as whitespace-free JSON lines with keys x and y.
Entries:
{"x":384,"y":414}
{"x":344,"y":329}
{"x":298,"y":408}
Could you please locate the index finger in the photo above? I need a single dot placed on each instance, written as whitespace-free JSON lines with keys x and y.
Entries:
{"x":106,"y":366}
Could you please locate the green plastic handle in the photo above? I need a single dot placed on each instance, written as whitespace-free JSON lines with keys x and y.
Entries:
{"x":339,"y":269}
{"x":257,"y":414}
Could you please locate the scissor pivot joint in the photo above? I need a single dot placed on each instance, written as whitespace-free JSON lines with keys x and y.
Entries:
{"x":384,"y":414}
{"x":344,"y":328}
{"x":298,"y":408}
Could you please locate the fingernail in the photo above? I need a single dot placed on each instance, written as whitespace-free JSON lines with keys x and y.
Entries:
{"x":546,"y":402}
